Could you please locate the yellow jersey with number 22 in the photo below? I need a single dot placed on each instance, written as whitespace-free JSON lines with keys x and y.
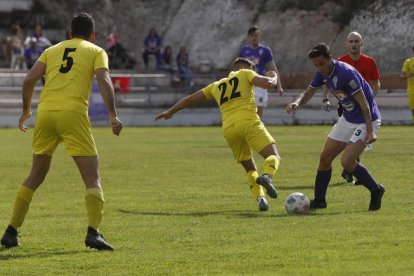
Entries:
{"x":234,"y":96}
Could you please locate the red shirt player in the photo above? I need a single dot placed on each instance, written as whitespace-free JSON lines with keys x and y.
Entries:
{"x":365,"y":65}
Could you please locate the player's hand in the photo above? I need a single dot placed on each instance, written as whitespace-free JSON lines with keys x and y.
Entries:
{"x":326,"y":106}
{"x":271,"y":74}
{"x":370,"y":138}
{"x":291,"y":107}
{"x":116,"y":125}
{"x":23,"y":118}
{"x":165,"y":115}
{"x":274,"y":79}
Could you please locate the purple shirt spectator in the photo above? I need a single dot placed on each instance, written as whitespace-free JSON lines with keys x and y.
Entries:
{"x":152,"y":45}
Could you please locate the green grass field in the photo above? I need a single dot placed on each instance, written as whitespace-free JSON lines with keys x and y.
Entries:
{"x":178,"y":204}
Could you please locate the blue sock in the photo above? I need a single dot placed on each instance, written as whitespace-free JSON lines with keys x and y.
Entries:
{"x":365,"y":177}
{"x":321,"y":184}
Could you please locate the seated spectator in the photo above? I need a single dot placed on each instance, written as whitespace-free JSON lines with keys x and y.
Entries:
{"x":32,"y":53}
{"x":15,"y":46}
{"x":184,"y":70}
{"x":166,"y":60}
{"x":119,"y":57}
{"x":42,"y":41}
{"x":113,"y":39}
{"x":152,"y":46}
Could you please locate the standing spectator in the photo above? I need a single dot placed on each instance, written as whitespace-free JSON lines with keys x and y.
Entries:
{"x":15,"y":45}
{"x":367,"y":67}
{"x":152,"y":46}
{"x":62,"y":116}
{"x":407,"y":72}
{"x":32,"y":53}
{"x":242,"y":127}
{"x":183,"y":64}
{"x":6,"y":53}
{"x":262,"y":57}
{"x":356,"y":128}
{"x":42,"y":41}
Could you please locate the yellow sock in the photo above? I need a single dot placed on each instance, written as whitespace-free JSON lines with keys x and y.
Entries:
{"x":255,"y":188}
{"x":94,"y":205}
{"x":271,"y":164}
{"x":21,"y":205}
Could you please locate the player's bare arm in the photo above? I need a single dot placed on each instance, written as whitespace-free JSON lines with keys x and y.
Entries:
{"x":326,"y":104}
{"x":271,"y":66}
{"x":185,"y":102}
{"x":108,"y":96}
{"x":363,"y":103}
{"x":375,"y":85}
{"x":406,"y":75}
{"x":266,"y":82}
{"x":35,"y":74}
{"x":303,"y":98}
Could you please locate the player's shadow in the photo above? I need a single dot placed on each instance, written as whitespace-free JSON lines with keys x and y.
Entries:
{"x":288,"y":188}
{"x":246,"y":214}
{"x":12,"y":254}
{"x":169,"y":214}
{"x":286,"y":215}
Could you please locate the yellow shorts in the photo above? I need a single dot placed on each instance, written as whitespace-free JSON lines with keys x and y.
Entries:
{"x":72,"y":128}
{"x":245,"y":135}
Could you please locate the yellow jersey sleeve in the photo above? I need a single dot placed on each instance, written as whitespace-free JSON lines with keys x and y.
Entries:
{"x":405,"y":66}
{"x":408,"y":67}
{"x":208,"y":91}
{"x":249,"y":74}
{"x":43,"y":57}
{"x":101,"y":61}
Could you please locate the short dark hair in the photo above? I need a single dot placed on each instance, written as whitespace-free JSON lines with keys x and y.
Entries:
{"x":82,"y":25}
{"x":321,"y":49}
{"x":245,"y":61}
{"x":252,"y":30}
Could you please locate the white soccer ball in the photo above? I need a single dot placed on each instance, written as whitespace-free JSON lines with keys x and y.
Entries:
{"x":297,"y":203}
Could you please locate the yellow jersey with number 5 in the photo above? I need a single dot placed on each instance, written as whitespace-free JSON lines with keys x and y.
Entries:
{"x":70,"y":67}
{"x":234,"y":96}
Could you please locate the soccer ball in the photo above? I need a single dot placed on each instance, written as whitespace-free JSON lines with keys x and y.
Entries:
{"x":297,"y":203}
